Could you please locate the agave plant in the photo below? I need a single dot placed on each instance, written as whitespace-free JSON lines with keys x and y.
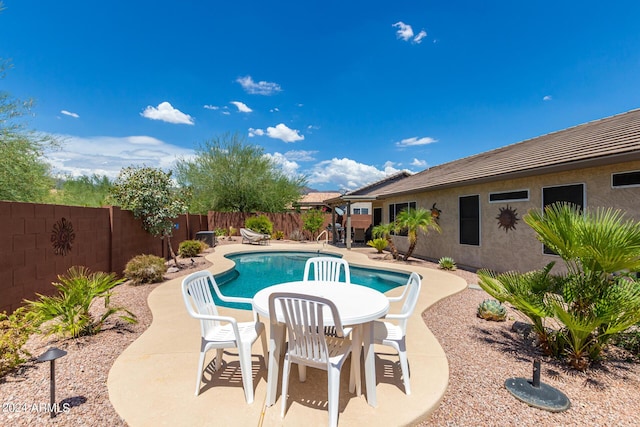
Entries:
{"x":491,"y":309}
{"x":68,"y":313}
{"x":447,"y":263}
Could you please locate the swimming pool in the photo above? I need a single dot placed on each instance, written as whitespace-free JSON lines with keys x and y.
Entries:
{"x":257,"y":270}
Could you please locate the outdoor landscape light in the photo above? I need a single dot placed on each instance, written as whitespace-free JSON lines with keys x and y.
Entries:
{"x":537,"y":394}
{"x":51,"y":355}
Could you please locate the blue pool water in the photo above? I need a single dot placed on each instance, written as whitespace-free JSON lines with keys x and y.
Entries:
{"x":257,"y":270}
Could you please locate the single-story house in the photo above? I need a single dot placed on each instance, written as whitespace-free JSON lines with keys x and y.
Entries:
{"x":481,"y":199}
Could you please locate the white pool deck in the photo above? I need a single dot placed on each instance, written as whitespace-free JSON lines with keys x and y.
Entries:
{"x":152,"y":382}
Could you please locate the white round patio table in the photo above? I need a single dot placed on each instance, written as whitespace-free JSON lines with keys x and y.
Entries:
{"x":358,"y":306}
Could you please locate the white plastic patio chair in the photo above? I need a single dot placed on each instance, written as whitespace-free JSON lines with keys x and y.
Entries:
{"x":308,"y":345}
{"x":326,"y":268}
{"x":221,"y":332}
{"x":394,"y":335}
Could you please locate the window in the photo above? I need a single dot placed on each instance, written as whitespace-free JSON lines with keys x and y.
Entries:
{"x":469,"y":207}
{"x":395,"y":209}
{"x":573,"y":193}
{"x":625,"y":179}
{"x":509,"y":196}
{"x":361,"y":211}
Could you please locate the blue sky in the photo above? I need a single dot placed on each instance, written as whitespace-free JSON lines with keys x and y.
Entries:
{"x":344,"y":92}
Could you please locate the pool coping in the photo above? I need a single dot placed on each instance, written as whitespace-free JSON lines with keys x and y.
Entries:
{"x":152,"y":382}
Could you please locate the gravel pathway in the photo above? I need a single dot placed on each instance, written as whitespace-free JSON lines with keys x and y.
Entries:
{"x":482,"y":355}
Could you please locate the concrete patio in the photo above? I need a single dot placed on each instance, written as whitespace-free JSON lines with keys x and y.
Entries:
{"x":152,"y":382}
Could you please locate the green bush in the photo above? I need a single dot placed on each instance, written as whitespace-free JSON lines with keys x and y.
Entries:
{"x":68,"y":313}
{"x":191,"y":248}
{"x":15,"y":329}
{"x":576,"y":314}
{"x":145,"y":269}
{"x":259,"y":224}
{"x":278,"y":235}
{"x":379,"y":244}
{"x":312,"y":221}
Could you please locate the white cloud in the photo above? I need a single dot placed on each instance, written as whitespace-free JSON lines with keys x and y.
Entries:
{"x":288,"y":167}
{"x":301,"y":155}
{"x":405,"y":32}
{"x":69,"y":113}
{"x":547,"y":98}
{"x":211,"y":107}
{"x":281,"y":132}
{"x":165,"y":112}
{"x":242,"y":107}
{"x":226,"y":113}
{"x":274,"y":110}
{"x":107,"y":155}
{"x":419,"y":163}
{"x":255,"y":132}
{"x":259,"y":88}
{"x":410,"y":142}
{"x":346,"y":174}
{"x":418,"y":39}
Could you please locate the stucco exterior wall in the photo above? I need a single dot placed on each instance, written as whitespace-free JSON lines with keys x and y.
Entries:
{"x":516,"y":249}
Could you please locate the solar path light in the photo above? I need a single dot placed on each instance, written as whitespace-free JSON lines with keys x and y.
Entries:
{"x":51,"y":355}
{"x":537,"y":394}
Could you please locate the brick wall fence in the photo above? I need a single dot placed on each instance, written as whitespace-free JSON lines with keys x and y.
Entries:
{"x":39,"y":242}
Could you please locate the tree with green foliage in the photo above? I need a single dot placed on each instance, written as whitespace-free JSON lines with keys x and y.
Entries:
{"x":599,"y":295}
{"x":415,"y":220}
{"x":312,"y":221}
{"x":83,"y":191}
{"x":24,"y":174}
{"x":152,"y":196}
{"x":230,"y":176}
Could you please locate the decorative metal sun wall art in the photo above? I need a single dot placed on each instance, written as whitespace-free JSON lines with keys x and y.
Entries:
{"x":62,"y":237}
{"x":507,"y":218}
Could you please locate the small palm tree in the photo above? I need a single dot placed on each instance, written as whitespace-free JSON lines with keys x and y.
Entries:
{"x":68,"y":313}
{"x":414,"y":220}
{"x":386,"y":231}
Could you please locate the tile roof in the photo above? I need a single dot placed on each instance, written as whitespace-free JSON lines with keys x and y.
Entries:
{"x":317,"y":198}
{"x":615,"y":138}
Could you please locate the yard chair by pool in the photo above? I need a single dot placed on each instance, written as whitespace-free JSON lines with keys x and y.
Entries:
{"x":308,"y":345}
{"x":221,"y":332}
{"x":326,"y":268}
{"x":254,"y":237}
{"x":394,"y":335}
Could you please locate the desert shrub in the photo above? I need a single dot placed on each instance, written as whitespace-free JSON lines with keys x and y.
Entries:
{"x":232,"y":232}
{"x":68,"y":313}
{"x":491,"y":309}
{"x":191,"y":248}
{"x":447,"y":263}
{"x":220,"y":232}
{"x":379,"y":244}
{"x":278,"y":235}
{"x":296,"y":235}
{"x":15,"y":329}
{"x":145,"y":269}
{"x":259,"y":224}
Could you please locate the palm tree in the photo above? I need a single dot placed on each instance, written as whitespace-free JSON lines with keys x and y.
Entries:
{"x":414,"y":220}
{"x":386,"y":231}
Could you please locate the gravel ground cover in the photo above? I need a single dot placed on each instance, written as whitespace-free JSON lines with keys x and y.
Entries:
{"x":481,"y":354}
